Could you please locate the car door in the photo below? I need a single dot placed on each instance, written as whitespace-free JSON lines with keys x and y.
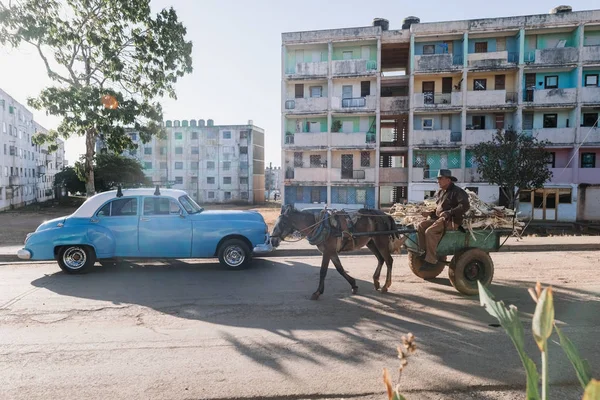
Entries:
{"x":120,"y":217}
{"x":165,"y":230}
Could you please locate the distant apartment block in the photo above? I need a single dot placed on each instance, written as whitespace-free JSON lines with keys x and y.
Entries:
{"x":212,"y":163}
{"x":369,"y":115}
{"x":26,"y":169}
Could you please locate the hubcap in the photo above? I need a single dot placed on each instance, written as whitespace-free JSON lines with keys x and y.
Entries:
{"x":474,"y":271}
{"x":234,"y":256}
{"x":74,"y":257}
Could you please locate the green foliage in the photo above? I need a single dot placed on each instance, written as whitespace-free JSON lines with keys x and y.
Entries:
{"x":336,"y":125}
{"x":110,"y":61}
{"x":514,"y":162}
{"x":542,"y":323}
{"x":69,"y":179}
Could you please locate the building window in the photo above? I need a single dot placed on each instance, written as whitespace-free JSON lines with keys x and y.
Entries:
{"x":478,"y":121}
{"x":589,"y":119}
{"x":211,"y":195}
{"x":163,"y":151}
{"x":550,"y":120}
{"x":226,"y":180}
{"x":315,"y":161}
{"x":243,"y":181}
{"x":195,"y":150}
{"x":178,"y":165}
{"x":163,"y":165}
{"x":500,"y":82}
{"x":298,"y":159}
{"x":315,"y":195}
{"x":347,"y":55}
{"x":178,"y":150}
{"x":365,"y":88}
{"x":179,"y":180}
{"x":148,"y":165}
{"x":226,"y":165}
{"x":243,"y":149}
{"x":316,"y":91}
{"x":299,"y":91}
{"x":210,"y":180}
{"x":195,"y":165}
{"x":342,"y":195}
{"x":347,"y":92}
{"x":481,"y":47}
{"x":427,"y":124}
{"x":148,"y":150}
{"x":480,"y":84}
{"x":243,"y":134}
{"x":551,"y":82}
{"x":178,"y":136}
{"x":551,"y":159}
{"x":590,"y":80}
{"x":299,"y":193}
{"x":429,"y":49}
{"x":194,"y":135}
{"x":588,"y":160}
{"x":361,"y":196}
{"x":244,"y":195}
{"x":210,"y":165}
{"x":227,"y":195}
{"x":365,"y":158}
{"x":226,"y":134}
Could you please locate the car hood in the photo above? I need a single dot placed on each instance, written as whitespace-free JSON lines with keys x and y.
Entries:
{"x":51,"y":223}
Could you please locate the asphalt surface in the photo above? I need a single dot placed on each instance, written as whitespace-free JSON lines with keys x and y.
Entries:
{"x":191,"y":330}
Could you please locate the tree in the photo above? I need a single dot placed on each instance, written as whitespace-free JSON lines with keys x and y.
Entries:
{"x":110,"y":61}
{"x":69,"y":179}
{"x":514,"y":162}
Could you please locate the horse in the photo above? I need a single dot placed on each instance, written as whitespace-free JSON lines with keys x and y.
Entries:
{"x":333,"y":233}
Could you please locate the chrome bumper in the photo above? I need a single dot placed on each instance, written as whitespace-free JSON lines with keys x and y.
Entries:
{"x":266,"y":247}
{"x":24,"y":254}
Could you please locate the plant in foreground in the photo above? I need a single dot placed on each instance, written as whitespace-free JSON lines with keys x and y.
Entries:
{"x":407,"y":348}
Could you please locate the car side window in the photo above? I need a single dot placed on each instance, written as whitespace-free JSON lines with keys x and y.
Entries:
{"x":161,"y":206}
{"x":119,"y":208}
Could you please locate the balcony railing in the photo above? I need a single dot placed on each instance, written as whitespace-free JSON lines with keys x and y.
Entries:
{"x":353,"y":174}
{"x":354,"y":102}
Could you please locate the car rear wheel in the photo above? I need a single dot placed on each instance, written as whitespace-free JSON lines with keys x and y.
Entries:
{"x":235,"y":254}
{"x":76,"y":259}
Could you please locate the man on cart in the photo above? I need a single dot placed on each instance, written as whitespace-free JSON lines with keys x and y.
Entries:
{"x":452,"y":203}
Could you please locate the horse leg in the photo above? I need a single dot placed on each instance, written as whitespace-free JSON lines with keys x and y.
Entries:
{"x":373,"y":247}
{"x":340,"y":269}
{"x":322,"y":275}
{"x":384,"y":249}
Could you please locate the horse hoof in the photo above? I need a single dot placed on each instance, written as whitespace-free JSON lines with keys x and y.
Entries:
{"x":384,"y":290}
{"x":354,"y":290}
{"x":377,"y":285}
{"x":315,"y":296}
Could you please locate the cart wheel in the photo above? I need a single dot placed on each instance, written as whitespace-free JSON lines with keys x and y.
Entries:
{"x":414,"y":263}
{"x":471,"y":266}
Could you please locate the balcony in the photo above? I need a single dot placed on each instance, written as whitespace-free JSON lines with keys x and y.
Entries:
{"x":440,"y":137}
{"x":365,"y":174}
{"x":306,"y":139}
{"x":309,"y":69}
{"x":555,"y":135}
{"x":550,"y":96}
{"x":590,"y":95}
{"x":591,"y":137}
{"x":489,"y":98}
{"x":591,"y":54}
{"x":394,"y":105}
{"x":421,"y":174}
{"x":589,"y":175}
{"x":309,"y":174}
{"x":14,"y":180}
{"x":354,"y":104}
{"x":475,"y":136}
{"x":354,"y":67}
{"x":437,"y":62}
{"x":393,"y":175}
{"x":494,"y":59}
{"x":441,"y":100}
{"x":310,"y":105}
{"x":553,"y":56}
{"x":561,"y":175}
{"x":362,"y":140}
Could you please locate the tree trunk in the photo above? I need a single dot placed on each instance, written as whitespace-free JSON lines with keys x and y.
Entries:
{"x":90,"y":144}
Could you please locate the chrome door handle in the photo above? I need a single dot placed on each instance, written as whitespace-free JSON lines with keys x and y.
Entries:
{"x":144,"y":219}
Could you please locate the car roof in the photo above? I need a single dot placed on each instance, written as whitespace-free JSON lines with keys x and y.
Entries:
{"x":91,"y":205}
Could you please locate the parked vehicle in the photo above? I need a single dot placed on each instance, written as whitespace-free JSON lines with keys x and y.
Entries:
{"x":149,"y":224}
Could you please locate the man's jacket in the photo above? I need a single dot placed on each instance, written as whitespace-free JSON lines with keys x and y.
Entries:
{"x":455,"y":200}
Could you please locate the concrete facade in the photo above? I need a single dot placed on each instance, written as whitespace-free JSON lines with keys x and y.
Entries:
{"x":415,"y":100}
{"x":27,"y":170}
{"x":212,"y":163}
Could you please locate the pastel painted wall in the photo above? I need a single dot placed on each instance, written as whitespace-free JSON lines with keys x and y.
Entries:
{"x":439,"y":47}
{"x":566,"y":80}
{"x":457,"y":47}
{"x":300,"y":124}
{"x":307,"y":55}
{"x":356,"y":87}
{"x":359,"y":124}
{"x":591,"y":38}
{"x":291,"y":89}
{"x":561,"y":158}
{"x":455,"y":125}
{"x":491,"y":44}
{"x":338,"y":52}
{"x":562,"y":116}
{"x":437,"y":159}
{"x":490,"y":119}
{"x":349,"y":195}
{"x":550,"y":40}
{"x":437,"y":82}
{"x":510,"y":81}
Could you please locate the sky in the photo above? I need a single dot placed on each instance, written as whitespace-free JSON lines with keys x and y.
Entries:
{"x":237,"y":53}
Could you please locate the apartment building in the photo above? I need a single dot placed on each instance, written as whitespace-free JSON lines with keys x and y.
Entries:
{"x":26,"y":169}
{"x":212,"y":163}
{"x":369,"y":115}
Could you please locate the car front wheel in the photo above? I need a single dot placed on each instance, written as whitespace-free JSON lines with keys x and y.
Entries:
{"x":235,"y":254}
{"x":76,"y":259}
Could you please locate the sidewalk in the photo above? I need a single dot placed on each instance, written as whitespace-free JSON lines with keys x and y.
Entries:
{"x":512,"y":245}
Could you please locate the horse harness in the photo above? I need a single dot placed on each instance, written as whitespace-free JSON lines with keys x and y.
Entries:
{"x":340,"y":224}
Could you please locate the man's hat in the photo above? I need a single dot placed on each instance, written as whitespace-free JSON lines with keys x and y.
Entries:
{"x":447,"y":174}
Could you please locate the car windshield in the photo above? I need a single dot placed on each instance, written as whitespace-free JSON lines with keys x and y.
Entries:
{"x":190,"y":205}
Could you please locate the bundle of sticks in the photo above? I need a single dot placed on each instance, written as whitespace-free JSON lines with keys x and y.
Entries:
{"x":480,"y":215}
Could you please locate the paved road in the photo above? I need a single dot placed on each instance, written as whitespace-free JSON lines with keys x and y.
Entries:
{"x":194,"y":331}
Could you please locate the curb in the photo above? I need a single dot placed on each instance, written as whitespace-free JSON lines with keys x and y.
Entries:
{"x":523,"y":248}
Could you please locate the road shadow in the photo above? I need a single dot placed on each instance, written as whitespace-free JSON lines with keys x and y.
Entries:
{"x":274,"y":295}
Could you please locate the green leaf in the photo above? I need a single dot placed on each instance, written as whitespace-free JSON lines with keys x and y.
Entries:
{"x":543,"y":319}
{"x":509,"y":320}
{"x":398,"y":396}
{"x":582,"y":367}
{"x":592,"y":390}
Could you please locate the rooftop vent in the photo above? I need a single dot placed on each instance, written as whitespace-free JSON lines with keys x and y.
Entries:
{"x":561,"y":10}
{"x":408,"y":21}
{"x":210,"y":122}
{"x":382,"y":22}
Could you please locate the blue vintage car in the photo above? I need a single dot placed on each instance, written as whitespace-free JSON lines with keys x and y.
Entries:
{"x":147,"y":223}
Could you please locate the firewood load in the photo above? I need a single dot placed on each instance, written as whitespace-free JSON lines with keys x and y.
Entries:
{"x":479,"y":216}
